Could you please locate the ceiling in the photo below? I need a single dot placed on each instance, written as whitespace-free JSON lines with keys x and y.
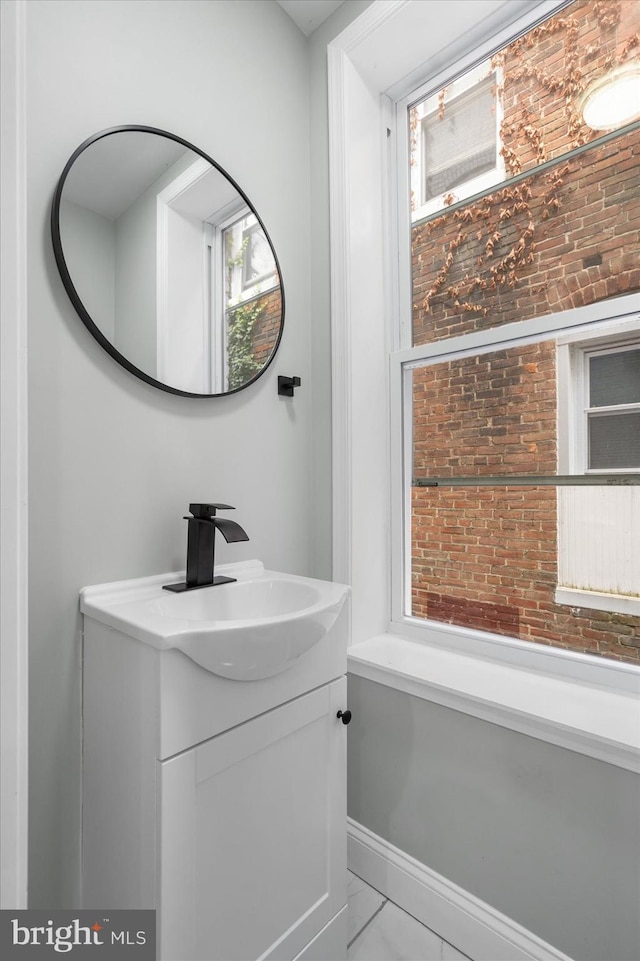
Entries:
{"x":309,"y":14}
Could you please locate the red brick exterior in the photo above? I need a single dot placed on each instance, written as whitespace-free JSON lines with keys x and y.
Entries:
{"x":267,"y":325}
{"x":585,"y":251}
{"x":547,"y":70}
{"x":487,"y":557}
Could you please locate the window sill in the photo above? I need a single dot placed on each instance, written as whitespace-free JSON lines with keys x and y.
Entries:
{"x":598,"y":601}
{"x":581,"y":717}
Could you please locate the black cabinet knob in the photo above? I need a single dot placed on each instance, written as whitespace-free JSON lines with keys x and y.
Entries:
{"x":345,"y":716}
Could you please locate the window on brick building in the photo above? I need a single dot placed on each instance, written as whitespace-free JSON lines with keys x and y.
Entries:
{"x":599,"y":434}
{"x":455,"y":143}
{"x":611,"y":413}
{"x":250,"y":268}
{"x":522,"y":432}
{"x":243,"y":302}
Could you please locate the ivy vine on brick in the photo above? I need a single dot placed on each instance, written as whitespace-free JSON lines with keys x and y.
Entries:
{"x":495,"y":236}
{"x":242,"y":364}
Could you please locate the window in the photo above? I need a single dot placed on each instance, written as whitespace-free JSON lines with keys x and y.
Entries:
{"x":521,"y":481}
{"x":612,"y":408}
{"x":258,"y":263}
{"x":598,"y":546}
{"x":252,"y":299}
{"x":249,"y":265}
{"x":455,"y":142}
{"x":517,"y":262}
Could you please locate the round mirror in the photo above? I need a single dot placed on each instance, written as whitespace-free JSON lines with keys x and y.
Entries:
{"x":167,"y":262}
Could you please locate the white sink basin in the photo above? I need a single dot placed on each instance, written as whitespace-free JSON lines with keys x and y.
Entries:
{"x":251,"y":629}
{"x":267,"y":596}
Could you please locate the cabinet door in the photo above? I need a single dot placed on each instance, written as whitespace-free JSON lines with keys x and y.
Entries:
{"x":252,"y":847}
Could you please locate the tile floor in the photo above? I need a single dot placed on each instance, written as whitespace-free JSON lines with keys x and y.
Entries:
{"x":380,"y":931}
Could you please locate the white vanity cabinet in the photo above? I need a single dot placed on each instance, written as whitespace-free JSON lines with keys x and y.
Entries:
{"x":220,"y":803}
{"x":251,"y":859}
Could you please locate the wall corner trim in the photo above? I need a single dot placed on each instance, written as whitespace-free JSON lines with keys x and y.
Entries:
{"x":466,"y":922}
{"x":340,"y":308}
{"x":364,"y":26}
{"x":13,"y":449}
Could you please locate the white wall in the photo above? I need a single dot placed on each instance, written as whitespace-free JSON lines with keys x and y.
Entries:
{"x":136,"y":283}
{"x":90,"y":254}
{"x":113,"y":461}
{"x":547,"y":836}
{"x":13,"y":466}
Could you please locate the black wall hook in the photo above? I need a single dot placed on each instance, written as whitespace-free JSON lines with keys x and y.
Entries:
{"x":286,"y":385}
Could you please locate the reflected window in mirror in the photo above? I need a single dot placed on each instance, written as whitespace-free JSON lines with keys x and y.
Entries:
{"x":252,"y":297}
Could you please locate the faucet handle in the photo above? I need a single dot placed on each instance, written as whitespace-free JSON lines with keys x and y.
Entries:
{"x":208,"y":510}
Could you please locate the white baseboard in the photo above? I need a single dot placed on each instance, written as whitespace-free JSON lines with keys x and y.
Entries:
{"x":473,"y":927}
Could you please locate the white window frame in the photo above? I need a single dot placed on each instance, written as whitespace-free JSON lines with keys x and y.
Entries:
{"x":214,"y":270}
{"x":474,"y":185}
{"x":376,"y":61}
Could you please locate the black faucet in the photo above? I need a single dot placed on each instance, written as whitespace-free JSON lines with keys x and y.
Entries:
{"x":201,"y":546}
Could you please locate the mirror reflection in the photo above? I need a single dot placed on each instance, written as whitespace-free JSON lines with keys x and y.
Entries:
{"x":167,"y":262}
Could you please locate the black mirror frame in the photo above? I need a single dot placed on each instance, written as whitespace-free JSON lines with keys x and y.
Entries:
{"x":75,"y":298}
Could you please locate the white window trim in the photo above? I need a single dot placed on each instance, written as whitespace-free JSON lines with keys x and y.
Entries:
{"x":598,"y":601}
{"x":365,"y":307}
{"x":183,"y":182}
{"x":217,"y":355}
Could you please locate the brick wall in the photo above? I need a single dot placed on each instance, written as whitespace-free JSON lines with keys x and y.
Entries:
{"x":267,"y":325}
{"x":575,"y":233}
{"x":263,"y":335}
{"x":486,"y":559}
{"x":488,"y":414}
{"x":547,"y":70}
{"x":562,"y":238}
{"x":483,"y":557}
